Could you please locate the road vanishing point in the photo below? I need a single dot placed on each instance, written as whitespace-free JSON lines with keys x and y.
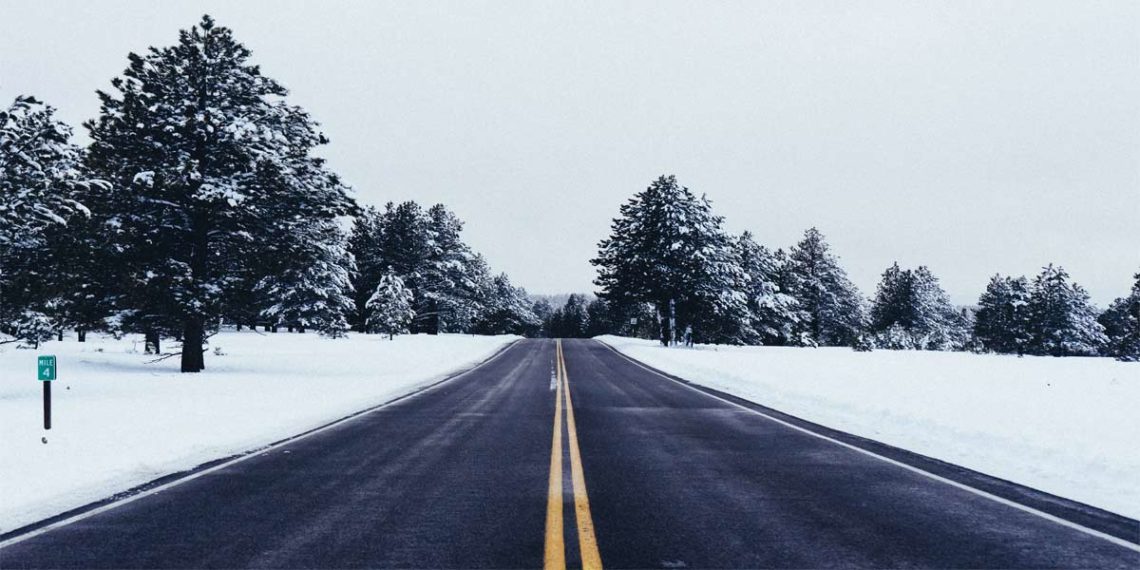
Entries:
{"x":563,"y":454}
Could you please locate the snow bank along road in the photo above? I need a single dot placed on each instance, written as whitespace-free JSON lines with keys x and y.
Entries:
{"x":581,"y":457}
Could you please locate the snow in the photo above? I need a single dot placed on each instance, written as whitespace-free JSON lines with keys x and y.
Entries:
{"x":1066,"y":426}
{"x":118,"y":422}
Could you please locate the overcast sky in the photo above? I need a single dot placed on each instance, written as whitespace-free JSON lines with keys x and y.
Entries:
{"x":972,"y":137}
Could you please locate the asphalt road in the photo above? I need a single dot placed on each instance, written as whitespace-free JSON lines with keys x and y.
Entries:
{"x":653,"y":472}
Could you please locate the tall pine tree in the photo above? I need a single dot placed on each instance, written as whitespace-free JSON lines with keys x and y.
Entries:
{"x":833,"y":309}
{"x":205,"y":154}
{"x":667,"y":248}
{"x":1121,"y":323}
{"x":1063,"y":322}
{"x":45,"y":242}
{"x":1001,"y":323}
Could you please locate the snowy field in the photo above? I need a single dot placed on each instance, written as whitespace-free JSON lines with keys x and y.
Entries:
{"x":1067,"y":426}
{"x":118,"y":422}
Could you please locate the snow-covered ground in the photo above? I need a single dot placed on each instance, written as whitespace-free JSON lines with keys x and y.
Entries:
{"x":118,"y":422}
{"x":1067,"y":426}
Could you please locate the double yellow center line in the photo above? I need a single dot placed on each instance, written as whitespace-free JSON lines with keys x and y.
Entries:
{"x":555,"y":554}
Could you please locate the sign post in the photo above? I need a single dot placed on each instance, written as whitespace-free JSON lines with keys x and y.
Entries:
{"x":46,"y":373}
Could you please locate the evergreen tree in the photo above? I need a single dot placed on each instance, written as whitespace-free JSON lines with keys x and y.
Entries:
{"x":774,"y":313}
{"x":833,"y":313}
{"x":314,"y":289}
{"x":543,"y":311}
{"x":1122,"y":325}
{"x":1062,"y":320}
{"x":390,"y":306}
{"x":667,"y":248}
{"x":600,"y":319}
{"x":211,"y":164}
{"x":507,"y":310}
{"x":1001,"y":323}
{"x":914,"y":312}
{"x":42,"y":190}
{"x":365,"y":243}
{"x":458,"y":281}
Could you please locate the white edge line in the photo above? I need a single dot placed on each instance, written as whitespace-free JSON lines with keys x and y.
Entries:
{"x":256,"y":452}
{"x":1053,"y":518}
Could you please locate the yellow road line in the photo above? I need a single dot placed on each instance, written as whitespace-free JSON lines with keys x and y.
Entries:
{"x":587,"y":541}
{"x":555,"y":550}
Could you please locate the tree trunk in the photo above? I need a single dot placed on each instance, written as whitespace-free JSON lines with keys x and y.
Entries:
{"x":663,"y":319}
{"x":239,"y":327}
{"x":193,"y":335}
{"x":301,"y":329}
{"x":290,"y":328}
{"x":274,"y":328}
{"x":152,"y":342}
{"x":268,"y":327}
{"x":60,"y":335}
{"x":81,"y":335}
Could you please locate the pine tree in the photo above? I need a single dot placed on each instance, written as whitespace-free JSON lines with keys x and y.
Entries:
{"x":1122,"y":325}
{"x":314,"y":289}
{"x":456,"y":281}
{"x":910,"y":310}
{"x":573,"y":321}
{"x":1001,"y":323}
{"x":1062,"y":320}
{"x":390,"y":306}
{"x":365,"y":243}
{"x":507,"y":310}
{"x":667,"y":248}
{"x":211,"y":164}
{"x":833,"y":309}
{"x":774,"y":313}
{"x":42,"y":190}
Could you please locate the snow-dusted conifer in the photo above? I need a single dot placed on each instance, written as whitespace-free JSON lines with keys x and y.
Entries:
{"x":313,"y":289}
{"x":910,"y":310}
{"x":833,"y":309}
{"x":1001,"y":323}
{"x":1063,"y":322}
{"x":201,"y":146}
{"x":668,"y":248}
{"x":774,"y":312}
{"x":365,"y":245}
{"x":1122,"y":325}
{"x":507,"y":310}
{"x":42,"y":190}
{"x":390,"y":306}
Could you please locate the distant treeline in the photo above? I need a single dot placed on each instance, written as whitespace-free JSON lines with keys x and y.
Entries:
{"x":669,"y":271}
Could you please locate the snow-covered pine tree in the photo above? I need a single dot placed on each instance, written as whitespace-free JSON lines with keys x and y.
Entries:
{"x":200,"y":145}
{"x":774,"y":312}
{"x":940,"y":324}
{"x":390,"y":306}
{"x":833,"y":308}
{"x":1062,"y":320}
{"x":366,"y":246}
{"x":667,"y":248}
{"x":454,"y":281}
{"x":507,"y":310}
{"x":573,"y":320}
{"x":1121,"y":323}
{"x":313,"y":289}
{"x":42,"y":189}
{"x":910,"y":310}
{"x":1001,"y":323}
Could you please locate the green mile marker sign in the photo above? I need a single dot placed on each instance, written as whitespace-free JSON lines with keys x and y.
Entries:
{"x":46,"y":368}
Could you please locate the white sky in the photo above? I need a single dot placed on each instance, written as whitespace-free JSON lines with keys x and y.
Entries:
{"x":973,"y":137}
